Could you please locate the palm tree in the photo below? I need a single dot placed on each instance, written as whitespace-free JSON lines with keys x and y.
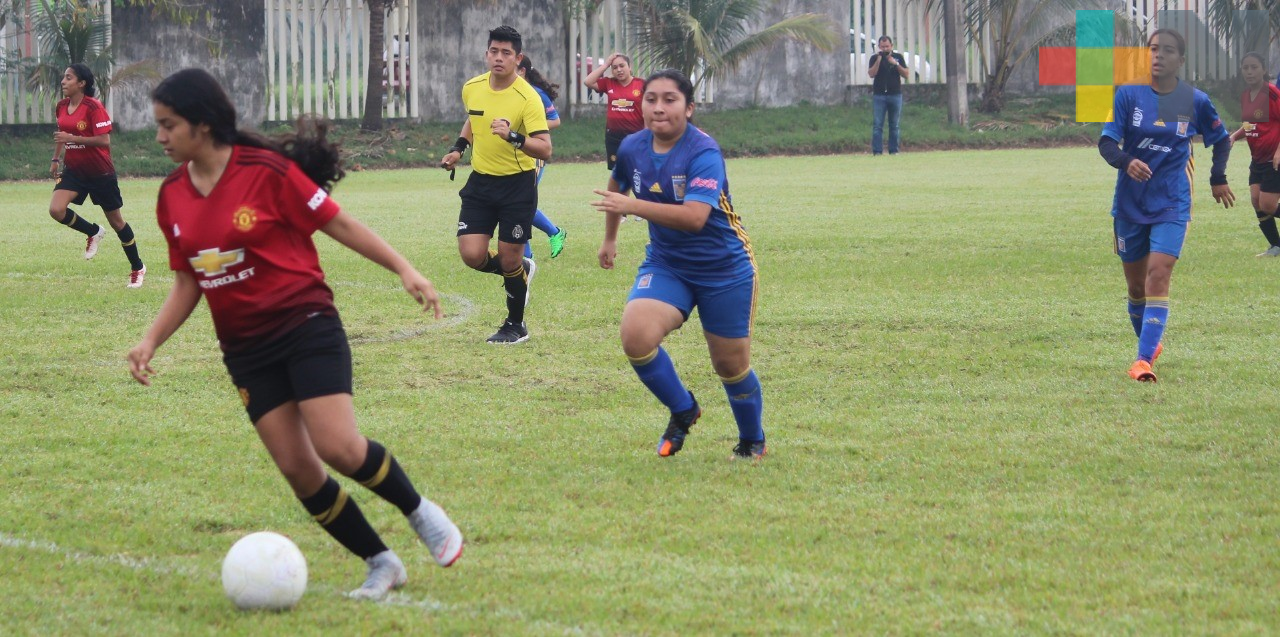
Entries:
{"x":703,"y":38}
{"x":372,"y":120}
{"x":1006,"y":33}
{"x":71,"y":32}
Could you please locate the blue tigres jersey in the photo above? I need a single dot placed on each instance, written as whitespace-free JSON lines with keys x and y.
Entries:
{"x":1139,"y":123}
{"x":720,"y":253}
{"x":548,"y":105}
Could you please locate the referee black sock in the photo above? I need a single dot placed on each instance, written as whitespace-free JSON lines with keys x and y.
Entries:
{"x":491,"y":263}
{"x":339,"y":516}
{"x":516,"y":284}
{"x":79,"y":224}
{"x":382,"y":475}
{"x":1267,"y":224}
{"x":130,"y":246}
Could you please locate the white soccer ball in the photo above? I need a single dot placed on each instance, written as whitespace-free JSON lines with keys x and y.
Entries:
{"x":264,"y":570}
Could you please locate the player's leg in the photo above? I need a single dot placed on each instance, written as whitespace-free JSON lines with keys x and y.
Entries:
{"x":515,"y":224}
{"x":60,"y":211}
{"x":659,"y":303}
{"x":1133,"y":246}
{"x":727,"y":314}
{"x":128,"y":243}
{"x":477,"y":220}
{"x":1266,"y":196}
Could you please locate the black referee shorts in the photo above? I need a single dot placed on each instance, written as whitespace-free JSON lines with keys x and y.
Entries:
{"x":311,"y":361}
{"x":104,"y":190}
{"x":1264,"y":174}
{"x":505,"y":202}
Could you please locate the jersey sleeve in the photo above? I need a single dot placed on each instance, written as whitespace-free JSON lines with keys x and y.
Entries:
{"x":535,"y":117}
{"x":604,"y":84}
{"x":1118,"y":118}
{"x":176,"y":261}
{"x":100,"y":121}
{"x":548,"y":106}
{"x":1207,"y":121}
{"x":303,"y":204}
{"x":705,"y":178}
{"x":1273,"y":113}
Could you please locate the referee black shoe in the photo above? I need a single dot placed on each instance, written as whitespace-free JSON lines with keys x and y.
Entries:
{"x":509,"y":334}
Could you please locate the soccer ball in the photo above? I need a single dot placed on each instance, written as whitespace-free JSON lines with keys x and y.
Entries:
{"x":264,"y":571}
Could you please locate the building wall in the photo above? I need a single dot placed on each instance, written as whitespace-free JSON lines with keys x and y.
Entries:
{"x":230,"y":45}
{"x":789,"y":72}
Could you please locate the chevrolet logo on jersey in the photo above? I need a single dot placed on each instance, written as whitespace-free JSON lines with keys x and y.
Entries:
{"x":623,"y":103}
{"x":213,"y":261}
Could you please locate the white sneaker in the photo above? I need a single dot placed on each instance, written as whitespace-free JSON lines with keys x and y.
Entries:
{"x":386,"y":572}
{"x":91,"y":244}
{"x":437,"y":531}
{"x":530,"y":267}
{"x":1273,"y":251}
{"x":136,"y":277}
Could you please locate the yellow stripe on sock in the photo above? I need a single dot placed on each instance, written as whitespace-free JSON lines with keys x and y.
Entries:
{"x":644,"y":360}
{"x":736,"y":379}
{"x":381,"y":474}
{"x":327,"y":518}
{"x":131,"y":242}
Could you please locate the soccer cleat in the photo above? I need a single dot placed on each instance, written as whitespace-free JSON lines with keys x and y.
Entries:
{"x":1155,"y":357}
{"x":438,"y":532}
{"x":677,"y":428}
{"x":136,"y":277}
{"x":1141,"y":371}
{"x":749,"y":450}
{"x":386,"y":572}
{"x":509,"y":334}
{"x":530,"y":267}
{"x":91,"y":244}
{"x":1273,"y":251}
{"x":557,"y":242}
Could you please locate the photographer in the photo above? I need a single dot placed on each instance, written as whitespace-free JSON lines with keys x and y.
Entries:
{"x":886,"y":88}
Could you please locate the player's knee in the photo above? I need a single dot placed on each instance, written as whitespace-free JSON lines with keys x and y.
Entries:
{"x":58,"y":214}
{"x":344,"y":458}
{"x":638,"y":344}
{"x":511,"y":261}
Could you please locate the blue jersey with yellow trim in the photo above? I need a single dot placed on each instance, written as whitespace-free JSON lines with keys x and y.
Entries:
{"x":1157,"y":129}
{"x":720,"y":253}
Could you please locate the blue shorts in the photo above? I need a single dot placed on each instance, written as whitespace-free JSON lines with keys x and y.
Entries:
{"x":727,"y":311}
{"x":1134,"y":241}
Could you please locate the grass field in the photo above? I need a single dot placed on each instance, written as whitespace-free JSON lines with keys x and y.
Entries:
{"x":954,"y":445}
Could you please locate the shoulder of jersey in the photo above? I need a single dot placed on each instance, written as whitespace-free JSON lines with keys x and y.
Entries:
{"x":175,"y":175}
{"x":64,"y":102}
{"x":1273,"y":92}
{"x":483,"y":77}
{"x":93,"y":103}
{"x":271,"y":160}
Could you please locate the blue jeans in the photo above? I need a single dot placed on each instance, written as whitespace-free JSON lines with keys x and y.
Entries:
{"x":881,"y":104}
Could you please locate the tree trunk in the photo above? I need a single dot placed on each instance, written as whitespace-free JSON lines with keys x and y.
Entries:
{"x":372,"y":120}
{"x":957,"y":75}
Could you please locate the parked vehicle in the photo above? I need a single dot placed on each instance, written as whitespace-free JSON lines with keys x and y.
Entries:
{"x":863,"y":46}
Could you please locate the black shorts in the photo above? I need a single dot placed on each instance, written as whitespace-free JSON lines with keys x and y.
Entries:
{"x":612,"y":140}
{"x":104,"y":190}
{"x":1265,"y":175}
{"x":311,"y":361}
{"x":507,"y":202}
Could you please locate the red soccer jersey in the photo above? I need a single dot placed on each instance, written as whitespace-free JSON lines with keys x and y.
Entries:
{"x":90,"y":118}
{"x":1262,"y":122}
{"x":248,"y":244}
{"x":624,"y":104}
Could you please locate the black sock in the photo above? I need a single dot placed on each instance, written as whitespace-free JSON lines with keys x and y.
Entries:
{"x":79,"y":224}
{"x":130,"y":246}
{"x":491,"y":264}
{"x":338,"y":514}
{"x":1267,"y":224}
{"x":517,"y":284}
{"x":382,"y":475}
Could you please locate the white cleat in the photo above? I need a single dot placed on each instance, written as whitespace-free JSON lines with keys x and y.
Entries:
{"x":438,"y":532}
{"x":91,"y":244}
{"x":386,"y":572}
{"x":530,"y":267}
{"x":136,"y":277}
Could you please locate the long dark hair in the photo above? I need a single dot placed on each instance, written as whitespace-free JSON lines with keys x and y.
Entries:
{"x":85,"y":74}
{"x":194,"y":95}
{"x":532,"y":76}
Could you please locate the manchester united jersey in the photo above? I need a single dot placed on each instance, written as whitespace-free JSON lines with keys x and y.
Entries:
{"x":88,"y":119}
{"x":1262,"y":122}
{"x":624,"y":114}
{"x":248,"y":244}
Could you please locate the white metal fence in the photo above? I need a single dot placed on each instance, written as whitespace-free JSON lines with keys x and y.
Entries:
{"x":318,"y":58}
{"x":19,"y":102}
{"x":916,"y":33}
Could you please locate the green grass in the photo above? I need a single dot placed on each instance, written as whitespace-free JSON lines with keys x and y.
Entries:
{"x":954,"y":445}
{"x":797,"y":130}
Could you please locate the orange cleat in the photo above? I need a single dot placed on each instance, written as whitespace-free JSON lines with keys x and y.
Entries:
{"x":1159,"y":348}
{"x":1141,"y":371}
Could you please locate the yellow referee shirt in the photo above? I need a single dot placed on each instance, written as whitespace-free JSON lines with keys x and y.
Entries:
{"x":518,"y":104}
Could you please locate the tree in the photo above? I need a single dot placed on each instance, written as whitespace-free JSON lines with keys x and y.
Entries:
{"x":1005,"y":33}
{"x":378,"y":10}
{"x":76,"y":31}
{"x":703,"y":38}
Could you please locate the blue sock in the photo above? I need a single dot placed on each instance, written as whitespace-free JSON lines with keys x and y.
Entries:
{"x":747,"y":404}
{"x":528,"y":252}
{"x":658,"y":373}
{"x":1136,"y":308}
{"x":543,"y":223}
{"x":1153,"y":321}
